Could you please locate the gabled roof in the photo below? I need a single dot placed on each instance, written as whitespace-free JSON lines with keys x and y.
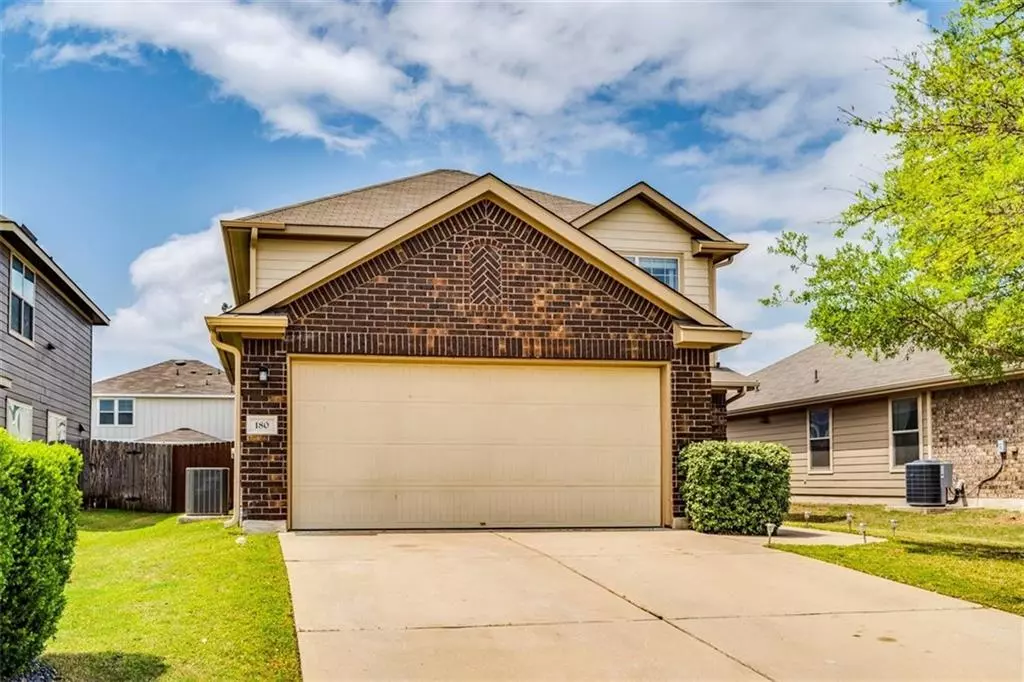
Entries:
{"x":171,"y":377}
{"x":820,"y":374}
{"x":380,"y":205}
{"x":491,"y":188}
{"x":182,"y":436}
{"x":25,"y":242}
{"x":659,"y":202}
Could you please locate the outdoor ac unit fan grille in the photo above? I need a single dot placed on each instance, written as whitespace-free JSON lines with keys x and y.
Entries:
{"x":206,"y":491}
{"x":925,"y":484}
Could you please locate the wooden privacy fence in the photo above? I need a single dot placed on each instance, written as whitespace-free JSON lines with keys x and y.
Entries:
{"x":146,"y":476}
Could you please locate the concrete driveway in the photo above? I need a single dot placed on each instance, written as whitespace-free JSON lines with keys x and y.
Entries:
{"x":634,"y":605}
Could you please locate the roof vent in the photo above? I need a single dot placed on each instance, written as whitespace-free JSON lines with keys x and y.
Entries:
{"x":179,"y":385}
{"x":815,"y":376}
{"x":180,"y":363}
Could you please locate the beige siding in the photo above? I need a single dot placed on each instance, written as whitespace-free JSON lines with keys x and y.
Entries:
{"x":636,"y":229}
{"x":280,"y":259}
{"x":860,"y":448}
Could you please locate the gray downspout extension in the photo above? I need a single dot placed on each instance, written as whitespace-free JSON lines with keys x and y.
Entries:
{"x":236,"y":517}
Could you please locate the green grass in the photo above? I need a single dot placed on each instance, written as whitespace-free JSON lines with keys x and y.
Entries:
{"x":972,"y":554}
{"x":150,"y":599}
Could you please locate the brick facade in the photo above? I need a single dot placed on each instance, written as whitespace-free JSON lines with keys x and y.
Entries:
{"x":967,"y":422}
{"x":435,"y":295}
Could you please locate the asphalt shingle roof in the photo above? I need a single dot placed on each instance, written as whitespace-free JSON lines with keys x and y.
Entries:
{"x":380,"y":205}
{"x":819,"y":373}
{"x":182,"y":436}
{"x":171,"y":377}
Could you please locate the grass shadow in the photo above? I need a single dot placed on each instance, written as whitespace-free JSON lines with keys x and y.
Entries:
{"x":794,"y":518}
{"x":114,"y":520}
{"x":965,"y":550}
{"x":102,"y":666}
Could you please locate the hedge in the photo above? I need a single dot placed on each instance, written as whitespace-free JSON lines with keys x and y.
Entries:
{"x":734,"y":487}
{"x":39,"y":503}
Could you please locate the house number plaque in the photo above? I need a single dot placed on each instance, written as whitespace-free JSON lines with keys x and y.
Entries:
{"x":260,"y":425}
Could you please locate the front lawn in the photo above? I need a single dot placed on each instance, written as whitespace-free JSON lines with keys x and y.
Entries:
{"x":972,"y":554}
{"x":151,"y":598}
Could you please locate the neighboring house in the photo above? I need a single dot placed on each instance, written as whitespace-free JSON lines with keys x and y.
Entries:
{"x":46,"y":354}
{"x":448,"y":350}
{"x":853,"y":424}
{"x":172,"y":401}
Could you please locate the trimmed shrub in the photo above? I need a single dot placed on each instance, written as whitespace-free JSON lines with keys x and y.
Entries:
{"x":39,"y":503}
{"x":734,"y":487}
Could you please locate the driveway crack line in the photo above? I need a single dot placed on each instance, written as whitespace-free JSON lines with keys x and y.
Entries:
{"x":639,"y":606}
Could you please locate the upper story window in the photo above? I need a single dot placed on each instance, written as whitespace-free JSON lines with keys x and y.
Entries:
{"x":665,"y":269}
{"x":819,"y":439}
{"x":906,"y":431}
{"x":120,"y":411}
{"x":23,"y":299}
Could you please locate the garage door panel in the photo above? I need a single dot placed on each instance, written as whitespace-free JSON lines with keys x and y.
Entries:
{"x":476,"y":423}
{"x":472,"y":508}
{"x":402,"y":466}
{"x":404,"y":444}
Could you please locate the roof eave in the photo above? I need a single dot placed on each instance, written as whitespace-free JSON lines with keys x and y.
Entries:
{"x":709,"y":338}
{"x":54,"y":273}
{"x":493,"y":188}
{"x":843,"y":396}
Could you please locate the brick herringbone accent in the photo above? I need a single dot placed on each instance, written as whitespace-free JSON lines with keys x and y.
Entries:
{"x":423,"y":298}
{"x":484,"y":274}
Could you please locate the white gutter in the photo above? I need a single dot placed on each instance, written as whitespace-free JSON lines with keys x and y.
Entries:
{"x":236,"y":516}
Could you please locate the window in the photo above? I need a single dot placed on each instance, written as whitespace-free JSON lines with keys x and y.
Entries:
{"x":819,"y":439}
{"x":120,"y":411}
{"x":19,"y":420}
{"x":665,"y":270}
{"x":906,"y":432}
{"x":56,"y":428}
{"x":23,"y":298}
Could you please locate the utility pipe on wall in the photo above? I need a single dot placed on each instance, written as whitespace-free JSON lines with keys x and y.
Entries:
{"x":236,"y":515}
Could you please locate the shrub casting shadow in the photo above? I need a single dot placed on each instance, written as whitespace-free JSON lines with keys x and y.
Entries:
{"x":795,"y":519}
{"x":112,"y":521}
{"x":107,"y":665}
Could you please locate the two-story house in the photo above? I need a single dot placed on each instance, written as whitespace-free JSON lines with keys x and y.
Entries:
{"x":46,"y":354}
{"x":450,"y":350}
{"x":175,"y":401}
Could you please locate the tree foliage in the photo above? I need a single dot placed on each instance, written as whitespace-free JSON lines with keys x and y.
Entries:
{"x":933,"y":253}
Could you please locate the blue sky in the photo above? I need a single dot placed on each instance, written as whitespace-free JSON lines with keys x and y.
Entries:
{"x":125,"y":124}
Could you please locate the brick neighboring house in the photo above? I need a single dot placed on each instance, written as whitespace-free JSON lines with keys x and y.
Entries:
{"x":448,"y":350}
{"x":852,"y":424}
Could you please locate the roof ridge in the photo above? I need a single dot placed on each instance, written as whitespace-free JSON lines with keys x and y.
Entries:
{"x":155,"y":364}
{"x":789,"y":357}
{"x":359,"y":189}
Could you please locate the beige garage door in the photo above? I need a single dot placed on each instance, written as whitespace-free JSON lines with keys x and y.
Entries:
{"x":440,"y":445}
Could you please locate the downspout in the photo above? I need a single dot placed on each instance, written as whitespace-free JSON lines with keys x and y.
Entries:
{"x":235,"y":519}
{"x":740,"y":392}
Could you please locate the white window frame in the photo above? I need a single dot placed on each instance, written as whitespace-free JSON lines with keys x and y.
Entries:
{"x":634,"y":258}
{"x":30,"y":340}
{"x":893,"y":467}
{"x":117,"y":411}
{"x":831,"y":447}
{"x":54,"y":423}
{"x":28,"y":414}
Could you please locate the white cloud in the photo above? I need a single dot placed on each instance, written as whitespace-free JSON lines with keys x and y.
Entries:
{"x":688,"y":157}
{"x":755,"y":89}
{"x":553,"y":81}
{"x":176,"y":284}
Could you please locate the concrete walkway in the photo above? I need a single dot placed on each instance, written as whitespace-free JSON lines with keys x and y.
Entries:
{"x":637,"y":605}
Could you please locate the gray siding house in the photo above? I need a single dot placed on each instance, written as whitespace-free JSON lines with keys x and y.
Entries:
{"x":852,"y":425}
{"x":46,"y":352}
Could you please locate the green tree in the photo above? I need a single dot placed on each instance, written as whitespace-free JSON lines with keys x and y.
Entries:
{"x":932,"y":255}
